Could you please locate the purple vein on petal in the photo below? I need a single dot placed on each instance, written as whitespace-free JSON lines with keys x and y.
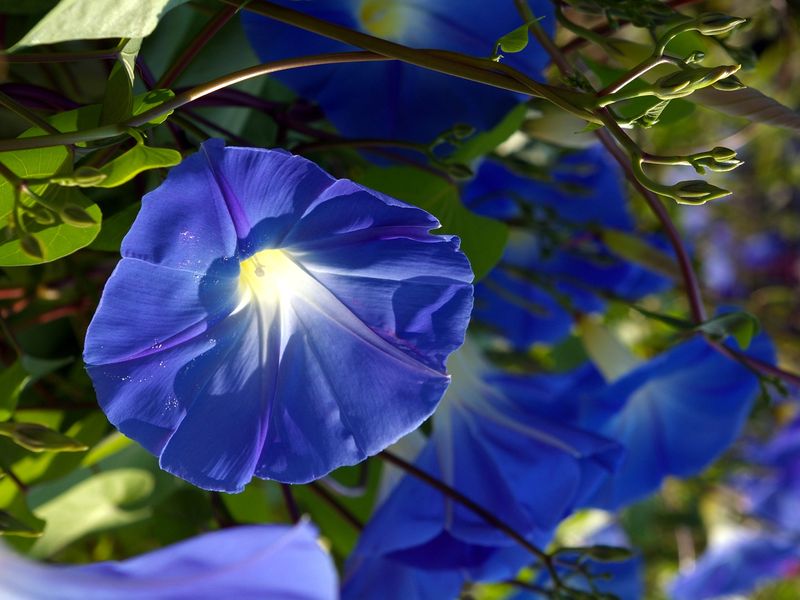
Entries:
{"x":240,"y":221}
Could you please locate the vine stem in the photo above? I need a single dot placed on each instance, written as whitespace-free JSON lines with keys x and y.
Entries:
{"x":484,"y":71}
{"x":291,"y":504}
{"x":190,"y":95}
{"x":211,"y":28}
{"x":545,"y":559}
{"x":337,"y":506}
{"x":610,"y":137}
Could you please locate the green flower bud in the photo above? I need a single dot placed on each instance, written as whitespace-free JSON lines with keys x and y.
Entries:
{"x":721,"y":153}
{"x":695,"y":57}
{"x":696,"y":192}
{"x":74,"y":215}
{"x":31,"y":246}
{"x":718,"y":23}
{"x":729,"y":84}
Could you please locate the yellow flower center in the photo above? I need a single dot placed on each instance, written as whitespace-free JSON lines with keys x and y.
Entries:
{"x":268,"y":276}
{"x":382,"y":18}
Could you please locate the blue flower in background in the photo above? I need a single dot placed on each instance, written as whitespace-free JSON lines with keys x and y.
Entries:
{"x":772,"y":491}
{"x":560,"y":267}
{"x":269,"y":320}
{"x":502,"y":454}
{"x":242,"y":562}
{"x":738,"y":565}
{"x":674,"y":414}
{"x":380,"y":578}
{"x":392,"y":99}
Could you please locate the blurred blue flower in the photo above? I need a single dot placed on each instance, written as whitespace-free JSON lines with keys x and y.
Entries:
{"x":502,"y":454}
{"x":393,"y":99}
{"x":381,"y":578}
{"x":740,"y":564}
{"x":772,"y":490}
{"x":556,"y":265}
{"x":674,"y":414}
{"x":268,"y":319}
{"x":242,"y":562}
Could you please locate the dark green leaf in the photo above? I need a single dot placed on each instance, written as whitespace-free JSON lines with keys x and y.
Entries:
{"x":741,"y":325}
{"x":483,"y":240}
{"x":11,"y":526}
{"x":118,"y":99}
{"x":13,"y":380}
{"x":38,"y":438}
{"x":750,"y":104}
{"x":115,"y":228}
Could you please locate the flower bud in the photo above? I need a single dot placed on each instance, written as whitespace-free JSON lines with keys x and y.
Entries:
{"x":718,"y":23}
{"x":729,"y":84}
{"x":696,"y":192}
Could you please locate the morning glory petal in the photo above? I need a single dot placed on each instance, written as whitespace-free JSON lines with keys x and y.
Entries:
{"x":316,"y":341}
{"x":742,"y":563}
{"x":689,"y":388}
{"x":377,"y":577}
{"x":242,"y":562}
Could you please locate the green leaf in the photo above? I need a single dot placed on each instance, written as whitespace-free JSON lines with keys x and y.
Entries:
{"x":741,"y":325}
{"x":99,"y":501}
{"x":483,"y":240}
{"x":38,"y":438}
{"x":118,"y":98}
{"x":9,"y":525}
{"x":13,"y":380}
{"x":484,"y":143}
{"x":90,"y":20}
{"x":514,"y":41}
{"x":139,"y":158}
{"x":750,"y":104}
{"x":58,"y":240}
{"x":127,"y":56}
{"x":674,"y":322}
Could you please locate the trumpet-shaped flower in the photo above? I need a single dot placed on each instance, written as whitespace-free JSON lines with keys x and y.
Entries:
{"x":270,"y":320}
{"x":242,"y":562}
{"x":674,"y":414}
{"x":393,"y":99}
{"x":502,"y":454}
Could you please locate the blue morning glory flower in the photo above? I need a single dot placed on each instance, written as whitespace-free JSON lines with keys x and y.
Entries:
{"x":556,"y":266}
{"x":395,"y":100}
{"x":241,"y":562}
{"x":772,"y":491}
{"x":740,"y":564}
{"x":675,"y":414}
{"x":504,"y":456}
{"x":270,"y":320}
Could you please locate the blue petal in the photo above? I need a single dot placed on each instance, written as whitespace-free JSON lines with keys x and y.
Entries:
{"x":379,"y":578}
{"x":738,"y":567}
{"x":396,"y":100}
{"x":243,"y":562}
{"x":690,"y":388}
